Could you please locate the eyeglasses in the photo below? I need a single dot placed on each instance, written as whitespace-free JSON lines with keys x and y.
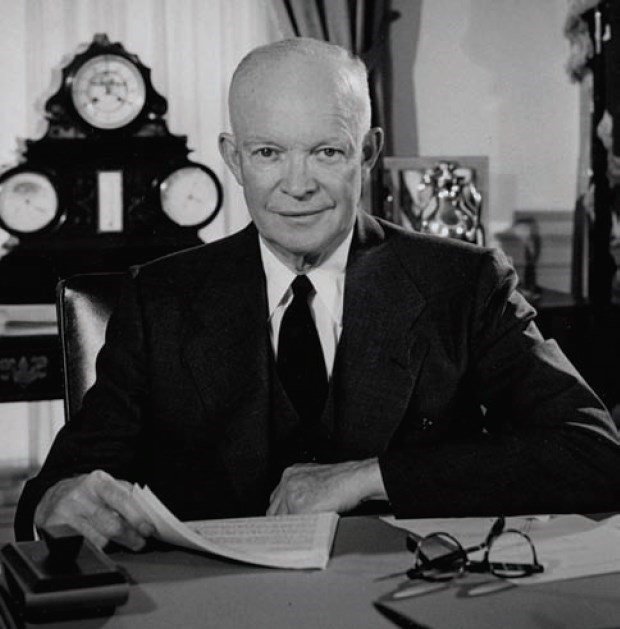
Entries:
{"x":508,"y":553}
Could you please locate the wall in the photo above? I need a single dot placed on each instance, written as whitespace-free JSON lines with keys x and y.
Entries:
{"x":489,"y":79}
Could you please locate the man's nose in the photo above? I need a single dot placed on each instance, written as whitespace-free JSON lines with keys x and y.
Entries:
{"x":298,"y":181}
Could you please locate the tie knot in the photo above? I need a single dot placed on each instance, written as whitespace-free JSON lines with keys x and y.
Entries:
{"x":302,"y":287}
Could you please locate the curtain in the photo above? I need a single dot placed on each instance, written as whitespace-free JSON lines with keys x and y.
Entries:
{"x":361,"y":26}
{"x":192,"y":48}
{"x":591,"y":28}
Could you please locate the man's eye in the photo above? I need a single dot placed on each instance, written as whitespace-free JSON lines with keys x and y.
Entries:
{"x":266,"y":152}
{"x":329,"y":152}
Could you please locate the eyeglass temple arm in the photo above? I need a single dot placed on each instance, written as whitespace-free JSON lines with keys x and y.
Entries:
{"x":496,"y":530}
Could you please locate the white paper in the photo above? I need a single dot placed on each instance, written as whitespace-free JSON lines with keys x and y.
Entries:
{"x":589,"y":553}
{"x":471,"y":531}
{"x":286,"y":541}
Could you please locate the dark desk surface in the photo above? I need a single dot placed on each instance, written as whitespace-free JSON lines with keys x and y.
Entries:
{"x":183,"y":590}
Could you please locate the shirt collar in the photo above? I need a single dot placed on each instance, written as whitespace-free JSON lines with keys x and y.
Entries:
{"x":327,"y":278}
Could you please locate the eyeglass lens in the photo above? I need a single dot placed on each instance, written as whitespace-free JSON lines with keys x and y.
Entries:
{"x":439,"y":557}
{"x":511,"y":555}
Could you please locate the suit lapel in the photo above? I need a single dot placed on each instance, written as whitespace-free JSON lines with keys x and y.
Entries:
{"x":226,"y":351}
{"x":381,"y":349}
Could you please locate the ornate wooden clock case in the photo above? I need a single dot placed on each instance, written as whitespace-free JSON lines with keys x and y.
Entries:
{"x":106,"y":186}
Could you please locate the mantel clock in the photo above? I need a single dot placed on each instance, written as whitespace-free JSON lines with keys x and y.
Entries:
{"x":108,"y":92}
{"x":107,"y":186}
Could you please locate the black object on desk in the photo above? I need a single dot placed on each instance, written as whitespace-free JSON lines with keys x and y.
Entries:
{"x":62,"y":576}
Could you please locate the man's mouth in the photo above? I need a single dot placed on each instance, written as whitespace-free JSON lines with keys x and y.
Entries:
{"x":301,"y":213}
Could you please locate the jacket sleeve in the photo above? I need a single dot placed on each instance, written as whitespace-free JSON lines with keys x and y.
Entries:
{"x":548,"y":444}
{"x":105,"y":432}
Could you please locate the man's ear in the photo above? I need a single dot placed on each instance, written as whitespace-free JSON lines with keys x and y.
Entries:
{"x":372,"y":145}
{"x":230,"y":154}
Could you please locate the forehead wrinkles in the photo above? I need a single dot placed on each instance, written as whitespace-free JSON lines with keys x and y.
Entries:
{"x":292,"y":82}
{"x":286,"y":132}
{"x":297,"y":123}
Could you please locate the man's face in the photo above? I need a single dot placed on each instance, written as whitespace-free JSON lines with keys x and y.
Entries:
{"x":298,"y":155}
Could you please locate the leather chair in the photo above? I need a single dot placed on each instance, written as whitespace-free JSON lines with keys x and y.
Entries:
{"x":84,"y":304}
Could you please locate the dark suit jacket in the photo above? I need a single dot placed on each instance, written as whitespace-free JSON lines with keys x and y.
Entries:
{"x":440,"y":372}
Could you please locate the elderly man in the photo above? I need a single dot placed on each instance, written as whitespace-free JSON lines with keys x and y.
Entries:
{"x":321,"y":358}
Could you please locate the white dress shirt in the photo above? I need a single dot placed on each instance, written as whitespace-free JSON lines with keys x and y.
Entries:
{"x":326,"y":304}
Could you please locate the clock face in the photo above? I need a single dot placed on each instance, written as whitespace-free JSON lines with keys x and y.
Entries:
{"x":191,"y":196}
{"x":28,"y":202}
{"x":108,"y":91}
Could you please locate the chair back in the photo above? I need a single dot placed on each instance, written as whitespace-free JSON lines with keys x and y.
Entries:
{"x":84,"y":304}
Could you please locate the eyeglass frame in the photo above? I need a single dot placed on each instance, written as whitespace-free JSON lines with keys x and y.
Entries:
{"x":469,"y":566}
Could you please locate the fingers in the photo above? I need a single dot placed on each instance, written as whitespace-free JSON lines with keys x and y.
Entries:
{"x":117,"y":515}
{"x":99,"y":507}
{"x":281,"y":495}
{"x":276,"y":505}
{"x":311,"y":487}
{"x":112,"y":525}
{"x":119,"y":501}
{"x":296,"y":491}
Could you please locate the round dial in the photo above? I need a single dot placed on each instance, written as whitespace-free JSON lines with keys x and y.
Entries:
{"x":108,"y":91}
{"x":28,"y":202}
{"x":191,"y":195}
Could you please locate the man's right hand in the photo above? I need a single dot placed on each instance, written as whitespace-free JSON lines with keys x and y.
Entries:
{"x":99,"y":507}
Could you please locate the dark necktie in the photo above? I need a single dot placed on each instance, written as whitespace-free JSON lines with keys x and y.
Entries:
{"x":301,"y":366}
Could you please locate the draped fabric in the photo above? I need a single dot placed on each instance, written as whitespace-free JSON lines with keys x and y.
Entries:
{"x":579,"y":38}
{"x":361,"y":26}
{"x":591,"y":28}
{"x":192,"y":48}
{"x":578,"y":68}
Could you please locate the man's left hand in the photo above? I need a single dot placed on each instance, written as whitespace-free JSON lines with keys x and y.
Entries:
{"x":313,"y":487}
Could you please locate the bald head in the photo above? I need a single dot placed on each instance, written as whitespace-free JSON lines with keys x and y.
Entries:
{"x":301,"y":146}
{"x":298,"y":66}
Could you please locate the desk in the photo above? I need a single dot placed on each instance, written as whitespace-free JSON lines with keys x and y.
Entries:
{"x":174,"y":588}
